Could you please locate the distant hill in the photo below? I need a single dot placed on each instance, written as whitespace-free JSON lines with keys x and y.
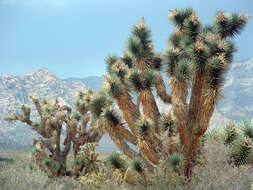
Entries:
{"x":238,"y":91}
{"x":93,"y":82}
{"x":15,"y":91}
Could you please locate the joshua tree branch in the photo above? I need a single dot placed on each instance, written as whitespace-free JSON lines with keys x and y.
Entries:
{"x":38,"y":107}
{"x":127,"y":135}
{"x":161,"y":89}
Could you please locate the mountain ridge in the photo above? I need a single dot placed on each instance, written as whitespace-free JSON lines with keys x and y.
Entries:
{"x":15,"y":91}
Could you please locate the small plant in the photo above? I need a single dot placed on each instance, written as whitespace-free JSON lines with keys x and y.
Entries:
{"x":176,"y":162}
{"x":230,"y":134}
{"x":86,"y":159}
{"x":247,"y":128}
{"x":115,"y":161}
{"x":242,"y":150}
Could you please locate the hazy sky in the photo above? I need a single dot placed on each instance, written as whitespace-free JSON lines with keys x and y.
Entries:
{"x":72,"y":37}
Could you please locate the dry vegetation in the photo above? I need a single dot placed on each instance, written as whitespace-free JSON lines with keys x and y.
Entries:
{"x":215,"y":172}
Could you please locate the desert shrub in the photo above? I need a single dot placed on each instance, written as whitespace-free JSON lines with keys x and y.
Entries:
{"x":21,"y":176}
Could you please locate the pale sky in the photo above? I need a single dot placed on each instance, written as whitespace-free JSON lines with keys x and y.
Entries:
{"x":72,"y":37}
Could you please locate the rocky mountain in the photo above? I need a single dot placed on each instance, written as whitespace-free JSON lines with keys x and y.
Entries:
{"x":238,"y":92}
{"x":15,"y":91}
{"x":93,"y":82}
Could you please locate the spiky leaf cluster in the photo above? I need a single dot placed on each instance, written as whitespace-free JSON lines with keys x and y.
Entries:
{"x":109,"y":61}
{"x":111,"y":115}
{"x":241,"y":150}
{"x":167,"y":123}
{"x":199,"y":55}
{"x":176,"y":161}
{"x":48,"y":110}
{"x":83,"y":100}
{"x":192,"y":26}
{"x":247,"y":128}
{"x":230,"y":134}
{"x":139,"y":81}
{"x":139,"y":44}
{"x":127,"y":60}
{"x":216,"y":73}
{"x":115,"y":161}
{"x":144,"y":126}
{"x":156,"y":61}
{"x":178,"y":16}
{"x":211,"y":134}
{"x":229,"y":25}
{"x":170,"y":60}
{"x":114,"y":86}
{"x":98,"y":104}
{"x":51,"y":166}
{"x":183,"y":70}
{"x":137,"y":165}
{"x":88,"y":157}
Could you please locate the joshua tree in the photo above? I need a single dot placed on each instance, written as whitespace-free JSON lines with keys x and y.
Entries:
{"x":196,"y":61}
{"x":47,"y":150}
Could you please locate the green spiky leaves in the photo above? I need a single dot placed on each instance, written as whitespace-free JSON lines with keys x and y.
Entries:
{"x":51,"y":164}
{"x":167,"y":123}
{"x":139,"y":44}
{"x":229,"y":25}
{"x":127,"y":60}
{"x":171,"y":59}
{"x":111,"y":116}
{"x":175,"y":39}
{"x":140,"y":82}
{"x":143,"y":34}
{"x":98,"y":104}
{"x":198,"y":53}
{"x":110,"y":60}
{"x":215,"y":75}
{"x":192,"y":26}
{"x":183,"y":70}
{"x":176,"y":161}
{"x":118,"y":67}
{"x":178,"y":16}
{"x":247,"y":128}
{"x":241,"y":150}
{"x":83,"y":100}
{"x":156,"y":62}
{"x":137,"y":165}
{"x":113,"y":86}
{"x":230,"y":134}
{"x":144,"y":126}
{"x":134,"y":47}
{"x":115,"y":161}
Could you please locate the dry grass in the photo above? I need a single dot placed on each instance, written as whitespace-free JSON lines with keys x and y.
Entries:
{"x":19,"y":176}
{"x":214,"y":174}
{"x":218,"y":174}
